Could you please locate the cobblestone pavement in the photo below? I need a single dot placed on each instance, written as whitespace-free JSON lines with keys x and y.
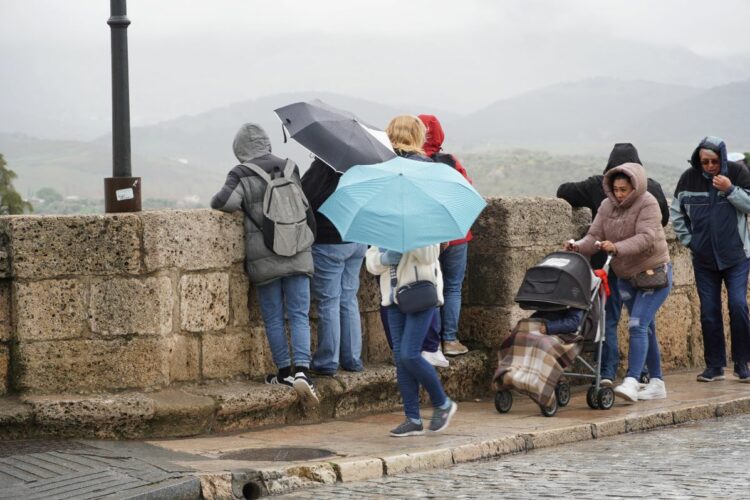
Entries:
{"x":707,"y":459}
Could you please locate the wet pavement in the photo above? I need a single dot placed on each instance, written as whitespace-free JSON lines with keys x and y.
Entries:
{"x":707,"y":459}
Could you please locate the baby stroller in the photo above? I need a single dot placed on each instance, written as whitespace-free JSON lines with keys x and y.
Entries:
{"x":533,"y":363}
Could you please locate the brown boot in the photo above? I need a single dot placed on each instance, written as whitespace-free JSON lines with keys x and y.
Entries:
{"x":454,"y":348}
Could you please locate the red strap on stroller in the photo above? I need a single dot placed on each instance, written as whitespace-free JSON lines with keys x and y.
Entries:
{"x":602,"y":275}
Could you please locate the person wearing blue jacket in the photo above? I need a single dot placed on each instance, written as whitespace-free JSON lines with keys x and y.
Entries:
{"x":709,"y":210}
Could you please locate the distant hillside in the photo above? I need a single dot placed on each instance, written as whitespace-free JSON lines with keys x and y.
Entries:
{"x":573,"y":126}
{"x":520,"y":172}
{"x":585,"y":112}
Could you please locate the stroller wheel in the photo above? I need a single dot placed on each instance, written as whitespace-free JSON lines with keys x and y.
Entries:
{"x":605,"y":398}
{"x":503,"y":401}
{"x":562,"y":393}
{"x":591,"y":398}
{"x":549,"y":411}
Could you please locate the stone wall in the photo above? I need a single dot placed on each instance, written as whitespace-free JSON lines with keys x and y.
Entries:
{"x":113,"y":302}
{"x":141,"y":301}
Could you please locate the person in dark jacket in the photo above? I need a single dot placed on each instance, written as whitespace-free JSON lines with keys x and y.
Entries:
{"x":590,"y":193}
{"x":335,"y":282}
{"x":282,"y":283}
{"x":709,"y":215}
{"x":454,"y":255}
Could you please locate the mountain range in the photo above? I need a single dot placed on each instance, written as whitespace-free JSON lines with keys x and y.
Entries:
{"x":190,"y":155}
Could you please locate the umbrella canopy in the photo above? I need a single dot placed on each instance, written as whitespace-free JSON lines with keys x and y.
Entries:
{"x":335,"y":136}
{"x":403,"y":204}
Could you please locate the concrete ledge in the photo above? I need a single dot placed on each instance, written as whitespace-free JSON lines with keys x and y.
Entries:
{"x":218,"y":407}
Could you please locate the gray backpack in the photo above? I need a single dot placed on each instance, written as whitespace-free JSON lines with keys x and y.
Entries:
{"x":287,"y":219}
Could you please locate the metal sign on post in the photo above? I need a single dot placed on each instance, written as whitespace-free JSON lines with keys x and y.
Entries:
{"x":122,"y":192}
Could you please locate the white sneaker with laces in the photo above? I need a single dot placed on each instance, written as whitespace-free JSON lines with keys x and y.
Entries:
{"x":436,"y":358}
{"x":655,"y":389}
{"x":628,"y":390}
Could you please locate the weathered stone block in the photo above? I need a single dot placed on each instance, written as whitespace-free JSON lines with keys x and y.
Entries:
{"x":376,"y":344}
{"x":682,"y":266}
{"x":649,"y":421}
{"x":4,"y":368}
{"x":368,"y":295}
{"x":357,"y":469}
{"x":51,"y":246}
{"x":5,"y":323}
{"x":421,"y":460}
{"x":184,"y":358}
{"x":489,"y":325}
{"x":554,"y":437}
{"x":226,"y":355}
{"x":50,"y":309}
{"x":520,"y":222}
{"x":495,"y":277}
{"x":92,"y":365}
{"x":192,"y":239}
{"x":104,"y":417}
{"x":204,"y":302}
{"x":234,"y":353}
{"x":122,"y":306}
{"x":674,"y":322}
{"x":488,"y":449}
{"x":239,"y":286}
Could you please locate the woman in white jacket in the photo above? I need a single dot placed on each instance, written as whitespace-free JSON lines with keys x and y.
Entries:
{"x":408,"y":332}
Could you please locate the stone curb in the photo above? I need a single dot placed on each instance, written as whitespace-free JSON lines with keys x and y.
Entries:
{"x":352,"y":469}
{"x":192,"y":410}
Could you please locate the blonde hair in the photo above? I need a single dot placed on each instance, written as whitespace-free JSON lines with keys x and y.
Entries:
{"x":407,"y":133}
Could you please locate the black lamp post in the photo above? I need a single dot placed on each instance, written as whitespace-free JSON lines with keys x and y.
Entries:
{"x":122,"y":192}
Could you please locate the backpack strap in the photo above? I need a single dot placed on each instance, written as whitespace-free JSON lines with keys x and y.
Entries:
{"x":258,"y":171}
{"x":289,"y":168}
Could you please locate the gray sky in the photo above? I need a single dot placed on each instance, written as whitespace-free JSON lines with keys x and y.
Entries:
{"x":188,"y":56}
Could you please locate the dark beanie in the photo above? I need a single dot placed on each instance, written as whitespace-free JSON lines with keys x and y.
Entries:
{"x":623,"y":152}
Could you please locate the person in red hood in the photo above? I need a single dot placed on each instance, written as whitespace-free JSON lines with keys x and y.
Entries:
{"x":453,"y":257}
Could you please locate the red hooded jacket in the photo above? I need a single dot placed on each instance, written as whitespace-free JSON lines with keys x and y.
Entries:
{"x":433,"y":144}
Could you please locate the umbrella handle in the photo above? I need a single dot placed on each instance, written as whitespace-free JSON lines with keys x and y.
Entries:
{"x":283,"y":131}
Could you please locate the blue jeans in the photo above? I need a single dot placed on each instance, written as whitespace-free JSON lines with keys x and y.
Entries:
{"x":292,"y":293}
{"x":334,"y":285}
{"x":610,"y":350}
{"x":407,"y":333}
{"x":642,"y":306}
{"x":708,"y":283}
{"x":432,"y":338}
{"x":453,"y":266}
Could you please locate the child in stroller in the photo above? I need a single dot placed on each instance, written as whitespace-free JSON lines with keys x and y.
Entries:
{"x":567,"y":301}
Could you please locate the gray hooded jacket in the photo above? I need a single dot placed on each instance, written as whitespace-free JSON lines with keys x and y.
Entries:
{"x":244,"y":191}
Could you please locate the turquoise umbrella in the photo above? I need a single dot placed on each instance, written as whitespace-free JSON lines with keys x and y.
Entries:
{"x":403,"y":204}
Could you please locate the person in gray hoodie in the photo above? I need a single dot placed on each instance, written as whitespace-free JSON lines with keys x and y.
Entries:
{"x":282,"y":283}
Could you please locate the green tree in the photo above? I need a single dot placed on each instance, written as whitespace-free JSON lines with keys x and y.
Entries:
{"x":48,"y":195}
{"x":10,"y":201}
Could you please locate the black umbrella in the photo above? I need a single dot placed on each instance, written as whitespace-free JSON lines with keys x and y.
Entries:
{"x":335,"y":136}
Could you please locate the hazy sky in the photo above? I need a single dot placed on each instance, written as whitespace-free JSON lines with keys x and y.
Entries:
{"x":188,"y":56}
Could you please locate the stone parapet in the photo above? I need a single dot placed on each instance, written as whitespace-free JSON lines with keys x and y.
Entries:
{"x":95,"y":303}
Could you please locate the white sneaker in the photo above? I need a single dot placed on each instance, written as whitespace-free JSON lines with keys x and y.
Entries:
{"x":436,"y":358}
{"x":628,"y":390}
{"x":606,"y":382}
{"x":655,"y":389}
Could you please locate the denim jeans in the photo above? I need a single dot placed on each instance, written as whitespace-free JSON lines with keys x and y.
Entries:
{"x":642,"y":306}
{"x":412,"y":370}
{"x":610,"y":349}
{"x":432,"y":338}
{"x":453,"y":266}
{"x":292,"y":293}
{"x":334,"y":285}
{"x":708,"y":282}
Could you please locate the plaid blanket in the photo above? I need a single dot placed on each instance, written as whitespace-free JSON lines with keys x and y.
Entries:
{"x":532,"y":363}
